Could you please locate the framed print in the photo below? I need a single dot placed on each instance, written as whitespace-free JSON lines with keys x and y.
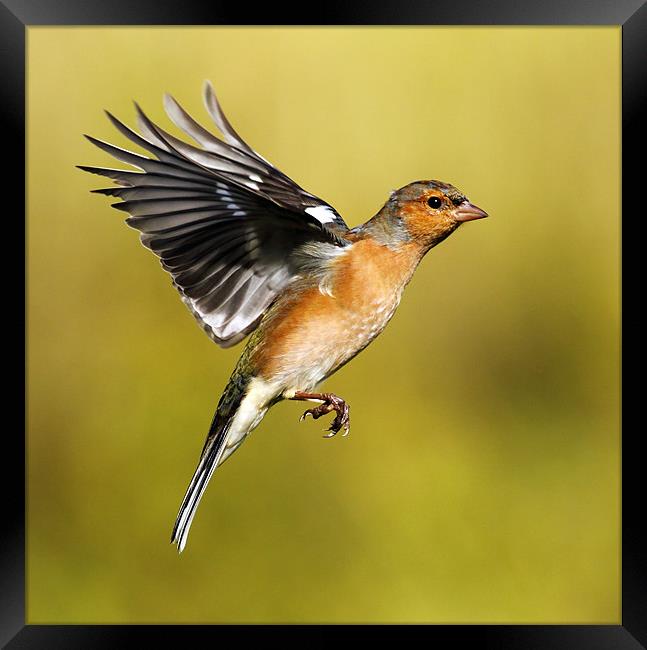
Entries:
{"x":487,"y":492}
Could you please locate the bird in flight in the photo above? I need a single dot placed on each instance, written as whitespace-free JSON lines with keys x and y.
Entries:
{"x":252,"y":253}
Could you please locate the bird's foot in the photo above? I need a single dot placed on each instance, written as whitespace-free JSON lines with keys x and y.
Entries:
{"x":329,"y":403}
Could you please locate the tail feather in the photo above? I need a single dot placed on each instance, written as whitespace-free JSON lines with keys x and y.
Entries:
{"x":209,"y":460}
{"x":211,"y":456}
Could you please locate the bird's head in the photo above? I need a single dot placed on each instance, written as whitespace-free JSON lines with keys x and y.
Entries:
{"x":429,"y":211}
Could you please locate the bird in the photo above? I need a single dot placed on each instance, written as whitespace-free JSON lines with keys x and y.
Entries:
{"x":253,"y":255}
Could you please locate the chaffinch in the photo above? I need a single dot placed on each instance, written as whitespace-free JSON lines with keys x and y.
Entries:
{"x":252,"y":253}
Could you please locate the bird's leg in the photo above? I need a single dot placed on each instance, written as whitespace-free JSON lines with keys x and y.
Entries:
{"x":329,"y":402}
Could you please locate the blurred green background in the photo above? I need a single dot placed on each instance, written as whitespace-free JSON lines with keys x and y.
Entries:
{"x":480,"y":482}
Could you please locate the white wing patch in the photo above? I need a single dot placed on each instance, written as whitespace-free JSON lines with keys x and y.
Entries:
{"x":322,"y":213}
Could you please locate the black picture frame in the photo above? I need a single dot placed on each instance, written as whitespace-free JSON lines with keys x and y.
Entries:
{"x":17,"y":15}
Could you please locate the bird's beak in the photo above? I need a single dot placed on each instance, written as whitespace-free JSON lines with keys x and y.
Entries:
{"x":468,"y":212}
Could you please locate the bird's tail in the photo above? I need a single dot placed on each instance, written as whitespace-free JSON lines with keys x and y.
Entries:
{"x":214,"y":452}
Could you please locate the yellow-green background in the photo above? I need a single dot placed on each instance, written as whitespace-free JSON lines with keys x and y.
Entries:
{"x":480,"y":482}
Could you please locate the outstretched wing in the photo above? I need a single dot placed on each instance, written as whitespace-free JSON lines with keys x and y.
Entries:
{"x":223,"y":221}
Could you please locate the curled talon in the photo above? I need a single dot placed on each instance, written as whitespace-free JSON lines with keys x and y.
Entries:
{"x":329,"y":402}
{"x":315,"y":412}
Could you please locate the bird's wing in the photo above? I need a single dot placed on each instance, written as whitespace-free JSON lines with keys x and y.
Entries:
{"x":223,"y":221}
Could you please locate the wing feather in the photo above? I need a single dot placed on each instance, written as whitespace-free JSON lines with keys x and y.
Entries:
{"x":225,"y":223}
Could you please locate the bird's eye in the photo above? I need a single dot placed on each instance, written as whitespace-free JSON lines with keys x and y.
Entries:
{"x":434,"y":202}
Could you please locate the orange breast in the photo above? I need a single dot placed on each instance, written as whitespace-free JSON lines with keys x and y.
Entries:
{"x":312,"y":333}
